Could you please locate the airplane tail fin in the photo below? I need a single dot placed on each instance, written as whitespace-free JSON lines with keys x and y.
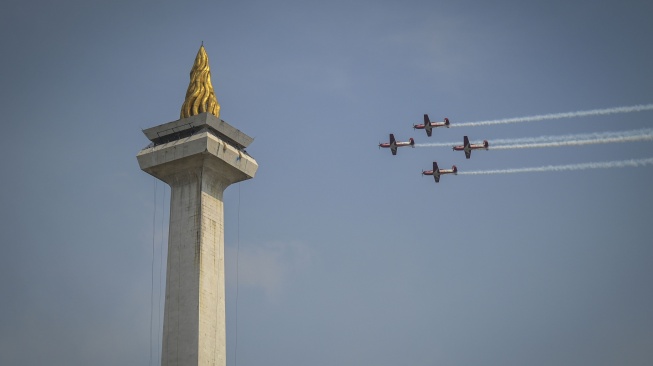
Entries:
{"x":486,"y":144}
{"x":446,"y":122}
{"x":455,"y":169}
{"x":412,"y":142}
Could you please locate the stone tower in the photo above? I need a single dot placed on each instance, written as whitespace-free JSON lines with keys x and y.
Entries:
{"x":198,"y":156}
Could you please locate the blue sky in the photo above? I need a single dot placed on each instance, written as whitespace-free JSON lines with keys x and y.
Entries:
{"x":345,"y":254}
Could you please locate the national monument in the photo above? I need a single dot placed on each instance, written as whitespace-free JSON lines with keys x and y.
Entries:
{"x":198,"y":156}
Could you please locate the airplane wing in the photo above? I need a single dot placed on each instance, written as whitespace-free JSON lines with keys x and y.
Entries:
{"x":394,"y":150}
{"x":429,"y":132}
{"x":468,"y":153}
{"x":436,"y":172}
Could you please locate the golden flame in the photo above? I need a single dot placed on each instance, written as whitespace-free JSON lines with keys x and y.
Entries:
{"x":200,"y":96}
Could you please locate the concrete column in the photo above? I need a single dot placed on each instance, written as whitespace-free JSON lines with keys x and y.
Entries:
{"x":194,"y":323}
{"x":198,"y":169}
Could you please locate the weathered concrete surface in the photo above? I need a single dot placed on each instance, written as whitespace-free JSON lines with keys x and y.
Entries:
{"x":198,"y":169}
{"x":222,"y":130}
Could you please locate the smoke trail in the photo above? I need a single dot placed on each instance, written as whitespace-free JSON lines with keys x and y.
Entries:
{"x":438,"y":144}
{"x":542,"y":117}
{"x":579,"y":136}
{"x":558,"y":168}
{"x":605,"y":138}
{"x":641,"y":134}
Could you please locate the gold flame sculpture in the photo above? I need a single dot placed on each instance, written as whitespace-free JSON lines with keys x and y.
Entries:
{"x":200,"y":96}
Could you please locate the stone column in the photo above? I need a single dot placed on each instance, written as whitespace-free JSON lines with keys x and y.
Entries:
{"x":199,"y":165}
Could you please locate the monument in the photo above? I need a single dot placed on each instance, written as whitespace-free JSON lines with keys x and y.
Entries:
{"x":198,"y":156}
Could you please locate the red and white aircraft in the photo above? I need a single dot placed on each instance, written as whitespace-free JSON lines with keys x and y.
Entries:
{"x":428,"y":125}
{"x":437,"y":172}
{"x":467,"y":147}
{"x":393,"y":144}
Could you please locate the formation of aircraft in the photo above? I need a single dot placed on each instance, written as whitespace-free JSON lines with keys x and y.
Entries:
{"x":428,"y":125}
{"x":394,"y":144}
{"x":437,"y":172}
{"x":467,"y":147}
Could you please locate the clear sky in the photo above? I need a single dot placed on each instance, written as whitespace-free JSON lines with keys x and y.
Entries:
{"x":346,"y":255}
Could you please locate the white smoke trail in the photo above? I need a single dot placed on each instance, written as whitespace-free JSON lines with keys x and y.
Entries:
{"x":578,"y":136}
{"x":605,"y":138}
{"x":439,"y":144}
{"x":558,"y":168}
{"x":641,"y":134}
{"x":542,"y":117}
